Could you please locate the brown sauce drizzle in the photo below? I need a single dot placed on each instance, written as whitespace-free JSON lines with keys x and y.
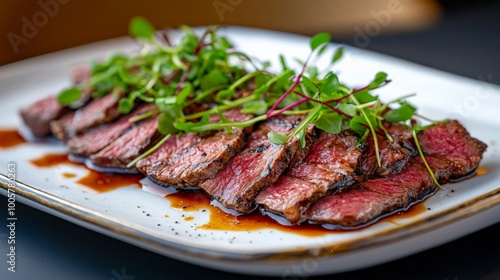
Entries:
{"x":10,"y":138}
{"x":103,"y":182}
{"x":194,"y":200}
{"x":51,"y":160}
{"x":190,"y":201}
{"x":481,"y":170}
{"x":98,"y":181}
{"x":69,"y":175}
{"x":414,"y":210}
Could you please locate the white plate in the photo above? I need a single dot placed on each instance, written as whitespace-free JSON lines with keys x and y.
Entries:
{"x":132,"y":215}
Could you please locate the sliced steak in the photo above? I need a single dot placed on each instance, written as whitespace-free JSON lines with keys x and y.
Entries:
{"x":97,"y":112}
{"x":167,"y":150}
{"x":202,"y":160}
{"x":128,"y":146}
{"x":368,"y":200}
{"x":331,"y":163}
{"x":258,"y":165}
{"x":393,"y":154}
{"x":450,"y":151}
{"x":38,"y":115}
{"x":97,"y":139}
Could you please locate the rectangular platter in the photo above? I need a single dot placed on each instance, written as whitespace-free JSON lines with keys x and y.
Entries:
{"x":146,"y":218}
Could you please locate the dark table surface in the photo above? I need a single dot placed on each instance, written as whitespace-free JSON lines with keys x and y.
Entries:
{"x":465,"y":42}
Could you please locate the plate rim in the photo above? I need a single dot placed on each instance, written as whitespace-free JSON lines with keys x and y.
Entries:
{"x":115,"y":226}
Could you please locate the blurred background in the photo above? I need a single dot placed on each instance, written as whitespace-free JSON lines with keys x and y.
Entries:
{"x":459,"y":36}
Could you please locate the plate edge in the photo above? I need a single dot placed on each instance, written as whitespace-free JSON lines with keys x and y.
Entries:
{"x":127,"y":233}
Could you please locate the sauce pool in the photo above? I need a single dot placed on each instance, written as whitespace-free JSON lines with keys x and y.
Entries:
{"x":194,"y":200}
{"x":190,"y":201}
{"x":10,"y":138}
{"x":98,"y":181}
{"x":481,"y":170}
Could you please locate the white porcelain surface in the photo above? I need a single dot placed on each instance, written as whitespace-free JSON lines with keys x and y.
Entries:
{"x":119,"y":213}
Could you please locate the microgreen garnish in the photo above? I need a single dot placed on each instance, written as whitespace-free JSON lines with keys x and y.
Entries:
{"x":207,"y":69}
{"x":421,"y":153}
{"x":69,"y":96}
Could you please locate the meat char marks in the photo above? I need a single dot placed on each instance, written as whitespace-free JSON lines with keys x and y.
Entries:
{"x":203,"y":159}
{"x":335,"y":162}
{"x":167,"y":150}
{"x":333,"y":180}
{"x":128,"y":146}
{"x":449,"y":150}
{"x":395,"y":153}
{"x":38,"y":115}
{"x":332,"y":161}
{"x":365,"y":201}
{"x":97,"y":112}
{"x":97,"y":139}
{"x":258,"y":165}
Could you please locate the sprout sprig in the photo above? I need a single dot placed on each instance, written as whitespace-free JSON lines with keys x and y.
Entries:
{"x":208,"y":70}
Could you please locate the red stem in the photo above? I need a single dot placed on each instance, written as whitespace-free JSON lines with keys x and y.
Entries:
{"x":296,"y":103}
{"x":297,"y":81}
{"x":172,"y":76}
{"x":324,"y":103}
{"x":356,"y":91}
{"x":164,"y":35}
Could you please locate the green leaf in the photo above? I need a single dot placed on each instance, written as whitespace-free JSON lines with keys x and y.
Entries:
{"x":358,"y":124}
{"x":256,"y":107}
{"x":322,"y":49}
{"x":223,"y":43}
{"x":380,"y":78}
{"x":283,"y":62}
{"x":213,"y":79}
{"x":103,"y":88}
{"x":364,"y":97}
{"x":331,"y":84}
{"x":331,"y":123}
{"x":302,"y":138}
{"x":312,"y":72}
{"x":125,"y":105}
{"x":338,"y":54}
{"x":403,"y":113}
{"x":183,"y":94}
{"x":349,"y":109}
{"x":166,"y":104}
{"x":166,"y":124}
{"x":283,"y":80}
{"x":141,"y":28}
{"x":261,"y":89}
{"x":261,"y":80}
{"x":277,"y":138}
{"x":69,"y":96}
{"x":309,"y":84}
{"x":319,"y":39}
{"x":224,"y":94}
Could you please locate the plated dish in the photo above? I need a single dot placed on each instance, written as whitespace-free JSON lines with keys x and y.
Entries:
{"x":150,"y":221}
